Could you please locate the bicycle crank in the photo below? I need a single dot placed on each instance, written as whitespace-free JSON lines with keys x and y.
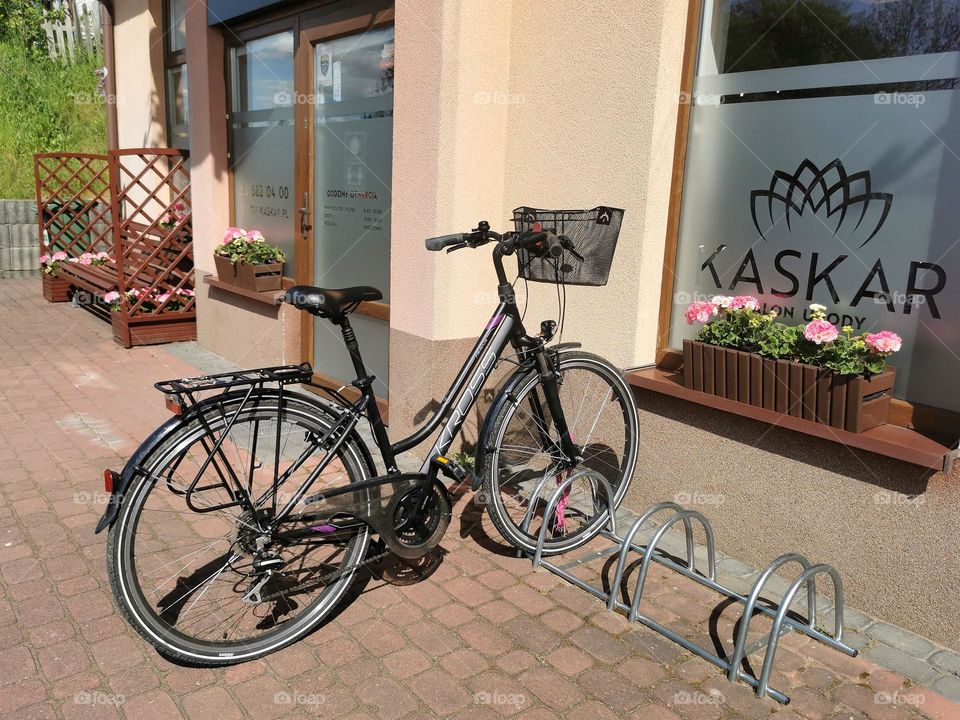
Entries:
{"x":409,"y":511}
{"x":419,"y":521}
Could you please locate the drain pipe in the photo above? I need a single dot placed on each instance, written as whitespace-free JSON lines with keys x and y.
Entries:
{"x":110,"y":63}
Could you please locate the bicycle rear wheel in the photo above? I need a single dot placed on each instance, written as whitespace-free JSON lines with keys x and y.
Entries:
{"x":523,"y":470}
{"x":184,"y":577}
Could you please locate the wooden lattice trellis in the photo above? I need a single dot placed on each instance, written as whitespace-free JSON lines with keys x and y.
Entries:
{"x":133,"y":204}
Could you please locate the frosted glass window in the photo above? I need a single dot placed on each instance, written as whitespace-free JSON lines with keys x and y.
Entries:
{"x":262,"y":139}
{"x":815,"y":177}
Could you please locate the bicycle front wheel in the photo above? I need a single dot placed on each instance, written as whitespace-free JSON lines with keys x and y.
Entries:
{"x":523,"y":469}
{"x":181,"y":555}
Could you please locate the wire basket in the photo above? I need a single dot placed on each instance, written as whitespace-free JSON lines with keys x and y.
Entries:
{"x":594,"y":236}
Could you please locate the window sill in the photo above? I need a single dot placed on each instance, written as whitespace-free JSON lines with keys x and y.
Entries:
{"x":268,"y":297}
{"x":890,"y":440}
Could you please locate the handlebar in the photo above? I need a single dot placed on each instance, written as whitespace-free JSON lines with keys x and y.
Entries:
{"x":436,"y":244}
{"x":543,"y":243}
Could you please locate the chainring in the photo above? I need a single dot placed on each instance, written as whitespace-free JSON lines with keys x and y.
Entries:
{"x":414,"y":533}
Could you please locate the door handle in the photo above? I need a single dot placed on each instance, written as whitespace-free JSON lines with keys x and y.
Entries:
{"x":304,"y":211}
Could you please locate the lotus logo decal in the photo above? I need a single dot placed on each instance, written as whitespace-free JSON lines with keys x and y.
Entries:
{"x":813,"y":188}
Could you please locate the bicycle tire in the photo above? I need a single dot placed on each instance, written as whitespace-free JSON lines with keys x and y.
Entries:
{"x":129,"y":596}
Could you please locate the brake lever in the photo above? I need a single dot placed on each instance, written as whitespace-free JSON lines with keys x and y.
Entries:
{"x":458,"y":246}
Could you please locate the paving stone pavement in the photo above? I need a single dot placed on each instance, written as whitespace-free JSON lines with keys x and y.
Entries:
{"x":482,"y":635}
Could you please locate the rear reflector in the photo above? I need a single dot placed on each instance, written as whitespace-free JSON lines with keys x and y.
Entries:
{"x":173,"y":405}
{"x":109,"y":480}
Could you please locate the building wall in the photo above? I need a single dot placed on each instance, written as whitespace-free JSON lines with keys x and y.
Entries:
{"x":483,"y":127}
{"x":138,"y":46}
{"x":890,"y":528}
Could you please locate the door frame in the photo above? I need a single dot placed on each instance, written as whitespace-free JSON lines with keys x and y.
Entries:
{"x":323,"y":24}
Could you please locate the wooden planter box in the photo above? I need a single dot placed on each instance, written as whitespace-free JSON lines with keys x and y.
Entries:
{"x":257,"y":278}
{"x":849,"y":402}
{"x":153,"y":329}
{"x":55,"y":289}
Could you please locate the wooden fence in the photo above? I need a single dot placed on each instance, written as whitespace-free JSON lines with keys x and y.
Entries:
{"x":65,"y":36}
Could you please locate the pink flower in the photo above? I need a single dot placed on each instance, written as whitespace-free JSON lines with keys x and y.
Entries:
{"x":103,"y":256}
{"x":232,"y":234}
{"x":162,"y":297}
{"x":722,"y":301}
{"x":186,"y":292}
{"x":883,"y":342}
{"x":820,"y":331}
{"x":254,"y":236}
{"x":744,"y":301}
{"x":85,"y":260}
{"x":59,"y":255}
{"x":44,"y":259}
{"x":112,"y":297}
{"x":700,"y":312}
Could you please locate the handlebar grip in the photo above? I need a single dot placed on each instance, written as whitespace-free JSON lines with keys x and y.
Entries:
{"x":439,"y":243}
{"x":554,"y":247}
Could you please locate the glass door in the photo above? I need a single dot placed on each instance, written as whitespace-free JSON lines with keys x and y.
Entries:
{"x":349,"y":115}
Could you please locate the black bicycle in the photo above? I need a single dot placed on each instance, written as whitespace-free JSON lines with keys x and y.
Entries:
{"x":238,"y":525}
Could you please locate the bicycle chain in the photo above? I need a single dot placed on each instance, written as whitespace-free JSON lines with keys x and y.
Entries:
{"x":330,"y":577}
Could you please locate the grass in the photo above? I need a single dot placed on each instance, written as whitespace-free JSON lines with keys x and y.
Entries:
{"x":47,"y":106}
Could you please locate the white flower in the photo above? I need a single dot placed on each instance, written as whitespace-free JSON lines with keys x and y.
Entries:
{"x":723,"y":301}
{"x":818,"y":308}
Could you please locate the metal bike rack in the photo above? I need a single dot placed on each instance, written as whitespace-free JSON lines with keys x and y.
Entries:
{"x":651,"y":552}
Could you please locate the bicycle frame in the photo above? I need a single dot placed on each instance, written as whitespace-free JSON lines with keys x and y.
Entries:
{"x":505,"y":327}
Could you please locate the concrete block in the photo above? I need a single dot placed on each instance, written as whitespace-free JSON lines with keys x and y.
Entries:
{"x":948,"y":686}
{"x":24,"y":259}
{"x":947,"y":660}
{"x":903,"y":640}
{"x":917,"y":670}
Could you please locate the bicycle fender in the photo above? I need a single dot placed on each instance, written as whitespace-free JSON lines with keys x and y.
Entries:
{"x":503,"y":396}
{"x":122,"y":482}
{"x":156,"y":438}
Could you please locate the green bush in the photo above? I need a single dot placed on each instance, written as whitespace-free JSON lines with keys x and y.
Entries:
{"x":47,"y":106}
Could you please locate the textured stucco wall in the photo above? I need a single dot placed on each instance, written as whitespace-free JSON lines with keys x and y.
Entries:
{"x":138,"y":46}
{"x":562,"y":104}
{"x":890,"y":528}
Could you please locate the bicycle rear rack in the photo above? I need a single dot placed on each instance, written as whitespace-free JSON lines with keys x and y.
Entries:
{"x":651,"y":552}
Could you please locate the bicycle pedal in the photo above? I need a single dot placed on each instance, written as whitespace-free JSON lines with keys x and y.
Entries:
{"x":449,"y":468}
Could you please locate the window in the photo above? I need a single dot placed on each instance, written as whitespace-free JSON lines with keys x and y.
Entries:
{"x":822,"y":164}
{"x":261,"y":136}
{"x":175,"y":74}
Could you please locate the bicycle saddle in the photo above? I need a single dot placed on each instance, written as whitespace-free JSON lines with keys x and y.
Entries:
{"x":328,"y":302}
